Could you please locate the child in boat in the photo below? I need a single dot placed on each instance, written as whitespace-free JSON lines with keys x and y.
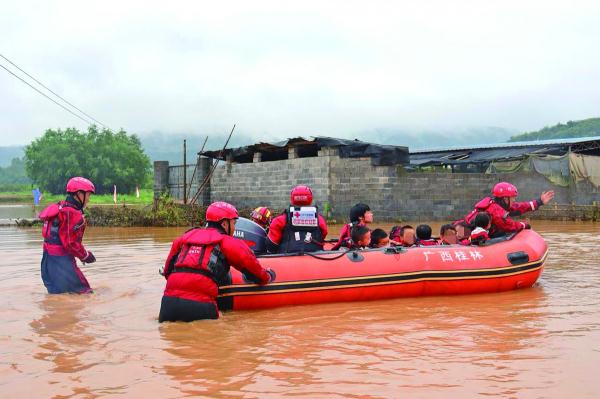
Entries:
{"x":405,"y":236}
{"x":463,"y":231}
{"x":64,"y":225}
{"x":360,"y":215}
{"x":447,"y":235}
{"x":424,"y":236}
{"x":361,"y":237}
{"x":482,"y":224}
{"x":379,"y":239}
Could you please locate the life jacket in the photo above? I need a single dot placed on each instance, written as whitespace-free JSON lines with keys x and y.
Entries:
{"x":302,"y":232}
{"x":481,"y":206}
{"x":479,"y":236}
{"x":51,"y":223}
{"x":201,"y":254}
{"x":427,"y":243}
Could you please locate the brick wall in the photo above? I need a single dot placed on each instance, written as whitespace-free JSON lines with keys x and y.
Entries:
{"x":390,"y":191}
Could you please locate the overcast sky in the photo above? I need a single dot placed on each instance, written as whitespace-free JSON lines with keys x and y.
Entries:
{"x":281,"y":69}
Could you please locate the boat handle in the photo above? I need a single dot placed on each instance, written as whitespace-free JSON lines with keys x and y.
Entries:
{"x":355,"y":256}
{"x":518,"y":258}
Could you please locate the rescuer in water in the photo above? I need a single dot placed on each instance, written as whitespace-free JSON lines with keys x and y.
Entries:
{"x":199,"y":263}
{"x":64,"y":226}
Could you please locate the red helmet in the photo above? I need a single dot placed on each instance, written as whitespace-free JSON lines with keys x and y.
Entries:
{"x":220,"y":210}
{"x":301,"y":195}
{"x":261,"y":215}
{"x":80,"y":184}
{"x":505,"y":189}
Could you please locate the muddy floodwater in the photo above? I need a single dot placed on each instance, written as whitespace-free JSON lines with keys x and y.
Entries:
{"x":542,"y":342}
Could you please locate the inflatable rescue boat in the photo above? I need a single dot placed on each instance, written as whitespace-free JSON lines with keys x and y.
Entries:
{"x":503,"y":264}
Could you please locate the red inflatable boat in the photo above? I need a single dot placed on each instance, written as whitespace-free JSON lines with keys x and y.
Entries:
{"x":331,"y":276}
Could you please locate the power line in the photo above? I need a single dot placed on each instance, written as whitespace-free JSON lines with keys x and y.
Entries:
{"x":45,"y":95}
{"x":51,"y":91}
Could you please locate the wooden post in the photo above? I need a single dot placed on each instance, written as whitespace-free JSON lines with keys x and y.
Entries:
{"x":184,"y":173}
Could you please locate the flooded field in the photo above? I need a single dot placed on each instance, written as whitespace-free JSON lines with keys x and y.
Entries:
{"x":14,"y":211}
{"x":542,"y":342}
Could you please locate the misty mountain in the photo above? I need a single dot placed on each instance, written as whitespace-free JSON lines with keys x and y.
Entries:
{"x":438,"y":138}
{"x":169,"y":147}
{"x":7,"y":154}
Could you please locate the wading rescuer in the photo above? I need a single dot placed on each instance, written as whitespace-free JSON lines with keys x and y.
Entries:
{"x":199,"y":262}
{"x":300,"y":228}
{"x":502,"y":207}
{"x":64,"y":225}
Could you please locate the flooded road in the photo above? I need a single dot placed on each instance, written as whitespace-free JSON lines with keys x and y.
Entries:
{"x":542,"y":342}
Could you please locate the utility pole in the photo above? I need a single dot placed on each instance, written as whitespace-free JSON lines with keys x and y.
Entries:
{"x":184,"y":173}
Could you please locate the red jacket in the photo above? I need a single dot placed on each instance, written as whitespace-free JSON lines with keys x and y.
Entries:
{"x":427,"y":243}
{"x":64,"y":226}
{"x":200,"y":287}
{"x":278,"y":224}
{"x":501,"y":220}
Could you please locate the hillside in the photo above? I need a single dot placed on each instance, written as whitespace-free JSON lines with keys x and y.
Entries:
{"x":7,"y":154}
{"x":583,"y":128}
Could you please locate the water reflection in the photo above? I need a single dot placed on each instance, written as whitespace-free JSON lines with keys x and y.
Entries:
{"x":361,"y":348}
{"x":211,"y":357}
{"x":62,"y":336}
{"x":531,"y":343}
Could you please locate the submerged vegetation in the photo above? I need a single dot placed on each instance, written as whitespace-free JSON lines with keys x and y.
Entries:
{"x":164,"y":213}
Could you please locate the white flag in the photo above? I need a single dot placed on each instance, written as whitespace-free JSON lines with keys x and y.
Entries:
{"x":115,"y":193}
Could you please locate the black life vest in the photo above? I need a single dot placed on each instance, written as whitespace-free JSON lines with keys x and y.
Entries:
{"x":202,"y":258}
{"x":302,"y":232}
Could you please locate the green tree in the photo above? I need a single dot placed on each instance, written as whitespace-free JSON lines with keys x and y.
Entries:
{"x":104,"y":157}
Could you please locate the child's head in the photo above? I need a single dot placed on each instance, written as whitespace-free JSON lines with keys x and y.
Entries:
{"x":379,"y":238}
{"x":424,"y":232}
{"x":361,"y":236}
{"x":482,"y":219}
{"x":448,"y":234}
{"x":407,"y":235}
{"x":361,"y":213}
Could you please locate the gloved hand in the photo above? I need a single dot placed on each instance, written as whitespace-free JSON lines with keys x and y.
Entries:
{"x":271,"y":274}
{"x":161,"y":270}
{"x":90,"y":258}
{"x":526,"y":226}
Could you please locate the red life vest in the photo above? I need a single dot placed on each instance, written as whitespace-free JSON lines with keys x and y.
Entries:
{"x":50,"y":229}
{"x":481,"y":206}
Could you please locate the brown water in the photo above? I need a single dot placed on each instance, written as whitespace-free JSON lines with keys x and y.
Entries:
{"x":542,"y":342}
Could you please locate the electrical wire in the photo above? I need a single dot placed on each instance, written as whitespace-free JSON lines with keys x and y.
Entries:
{"x":51,"y":91}
{"x":45,"y":95}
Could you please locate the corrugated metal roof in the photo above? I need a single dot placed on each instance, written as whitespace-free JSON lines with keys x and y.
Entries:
{"x":538,"y":143}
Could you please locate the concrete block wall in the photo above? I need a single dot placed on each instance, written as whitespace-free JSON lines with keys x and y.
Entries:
{"x":392,"y":193}
{"x":269,"y":183}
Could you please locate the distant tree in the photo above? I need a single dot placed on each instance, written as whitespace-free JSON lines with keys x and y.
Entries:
{"x":104,"y":157}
